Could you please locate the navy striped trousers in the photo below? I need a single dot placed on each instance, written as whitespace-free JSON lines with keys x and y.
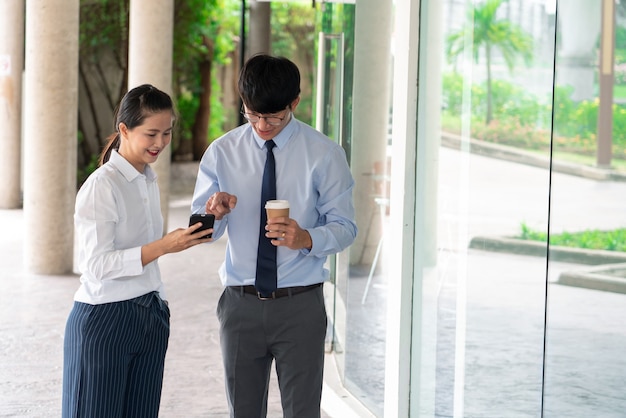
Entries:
{"x":114,"y":356}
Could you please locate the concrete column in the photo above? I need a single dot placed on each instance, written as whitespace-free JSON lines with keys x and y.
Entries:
{"x":50,"y":134}
{"x":260,"y":28}
{"x":11,"y":66}
{"x":150,"y":50}
{"x":370,"y":120}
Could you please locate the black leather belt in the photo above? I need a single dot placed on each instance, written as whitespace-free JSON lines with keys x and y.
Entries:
{"x":278,"y":293}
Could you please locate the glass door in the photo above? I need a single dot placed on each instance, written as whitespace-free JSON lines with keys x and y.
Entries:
{"x":357,"y":293}
{"x":584,"y":364}
{"x":519,"y":288}
{"x":329,"y":119}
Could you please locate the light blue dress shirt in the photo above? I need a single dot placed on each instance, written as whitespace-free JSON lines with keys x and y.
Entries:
{"x":311,"y":173}
{"x":117,"y":212}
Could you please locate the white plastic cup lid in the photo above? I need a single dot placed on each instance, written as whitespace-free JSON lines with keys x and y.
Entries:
{"x":277,"y":204}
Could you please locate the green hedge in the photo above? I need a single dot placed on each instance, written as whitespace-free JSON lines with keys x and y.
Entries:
{"x":523,"y":120}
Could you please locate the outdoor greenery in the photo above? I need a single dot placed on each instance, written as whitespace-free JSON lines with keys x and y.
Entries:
{"x":553,"y":124}
{"x":489,"y":33}
{"x":521,"y":119}
{"x":204,"y":36}
{"x":516,"y":117}
{"x":205,"y":65}
{"x":591,"y":239}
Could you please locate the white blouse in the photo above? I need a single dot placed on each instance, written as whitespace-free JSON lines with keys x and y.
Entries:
{"x":117,"y":212}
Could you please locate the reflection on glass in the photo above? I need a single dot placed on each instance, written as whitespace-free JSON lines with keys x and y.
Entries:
{"x":361,"y":294}
{"x":482,"y":176}
{"x":513,"y":108}
{"x":365,"y":337}
{"x":584,"y":362}
{"x":356,"y":299}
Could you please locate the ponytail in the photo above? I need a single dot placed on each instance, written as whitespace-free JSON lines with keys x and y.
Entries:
{"x":113,"y":143}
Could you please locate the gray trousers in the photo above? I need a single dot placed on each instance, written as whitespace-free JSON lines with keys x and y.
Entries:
{"x":290,"y":330}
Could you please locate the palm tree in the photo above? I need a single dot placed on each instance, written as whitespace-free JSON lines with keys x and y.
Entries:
{"x":489,"y":33}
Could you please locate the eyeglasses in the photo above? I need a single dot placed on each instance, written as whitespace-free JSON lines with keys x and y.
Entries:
{"x":270,"y":120}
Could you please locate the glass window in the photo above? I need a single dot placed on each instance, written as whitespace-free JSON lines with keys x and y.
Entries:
{"x":585,"y":337}
{"x":519,"y":250}
{"x":519,"y":211}
{"x":482,"y":176}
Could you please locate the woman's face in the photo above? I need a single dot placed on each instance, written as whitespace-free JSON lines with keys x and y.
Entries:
{"x":143,"y":144}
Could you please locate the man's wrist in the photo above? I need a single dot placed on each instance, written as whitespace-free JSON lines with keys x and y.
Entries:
{"x":308,"y":241}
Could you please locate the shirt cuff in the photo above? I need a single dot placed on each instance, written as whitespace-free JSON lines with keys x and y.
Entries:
{"x":132,"y":261}
{"x":316,"y":237}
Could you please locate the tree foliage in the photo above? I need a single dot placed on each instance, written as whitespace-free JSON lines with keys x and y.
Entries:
{"x":205,"y":68}
{"x":204,"y":38}
{"x":103,"y":71}
{"x":293,"y":36}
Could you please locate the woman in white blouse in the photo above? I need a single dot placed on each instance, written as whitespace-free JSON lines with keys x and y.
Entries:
{"x":117,"y":332}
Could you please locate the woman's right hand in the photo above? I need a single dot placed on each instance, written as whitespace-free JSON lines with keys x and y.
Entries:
{"x":183,"y":238}
{"x":175,"y":241}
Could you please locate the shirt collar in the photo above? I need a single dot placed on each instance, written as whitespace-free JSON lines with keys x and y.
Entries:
{"x":127,"y":170}
{"x":282,"y":138}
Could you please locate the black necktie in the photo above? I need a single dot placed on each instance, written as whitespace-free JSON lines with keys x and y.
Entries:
{"x":266,"y":257}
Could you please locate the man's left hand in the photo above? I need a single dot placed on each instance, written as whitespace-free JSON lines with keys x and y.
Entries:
{"x":285,"y":232}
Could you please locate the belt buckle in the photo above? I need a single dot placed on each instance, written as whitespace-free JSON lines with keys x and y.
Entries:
{"x":261,"y":297}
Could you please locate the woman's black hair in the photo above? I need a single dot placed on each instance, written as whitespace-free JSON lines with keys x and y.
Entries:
{"x":268,"y":84}
{"x":135,"y":106}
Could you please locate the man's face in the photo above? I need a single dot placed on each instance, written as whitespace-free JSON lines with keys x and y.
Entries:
{"x":267,"y":125}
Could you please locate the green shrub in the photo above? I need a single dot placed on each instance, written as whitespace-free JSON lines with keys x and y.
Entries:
{"x":512,"y":132}
{"x":614,"y":240}
{"x":524,"y":120}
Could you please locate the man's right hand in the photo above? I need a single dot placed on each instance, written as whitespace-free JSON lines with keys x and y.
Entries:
{"x":220,"y":204}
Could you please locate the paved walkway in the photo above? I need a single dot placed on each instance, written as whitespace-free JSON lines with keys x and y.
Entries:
{"x":491,"y":359}
{"x":34,"y":309}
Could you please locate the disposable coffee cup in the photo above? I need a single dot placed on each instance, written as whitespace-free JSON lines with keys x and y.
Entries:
{"x":277,"y":208}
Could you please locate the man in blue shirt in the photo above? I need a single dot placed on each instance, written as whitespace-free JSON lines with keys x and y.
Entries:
{"x":287,"y":324}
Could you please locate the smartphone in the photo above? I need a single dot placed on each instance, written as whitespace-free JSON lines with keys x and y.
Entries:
{"x":206,"y":219}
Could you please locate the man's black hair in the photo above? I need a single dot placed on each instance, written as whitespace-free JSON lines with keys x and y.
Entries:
{"x":268,"y":84}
